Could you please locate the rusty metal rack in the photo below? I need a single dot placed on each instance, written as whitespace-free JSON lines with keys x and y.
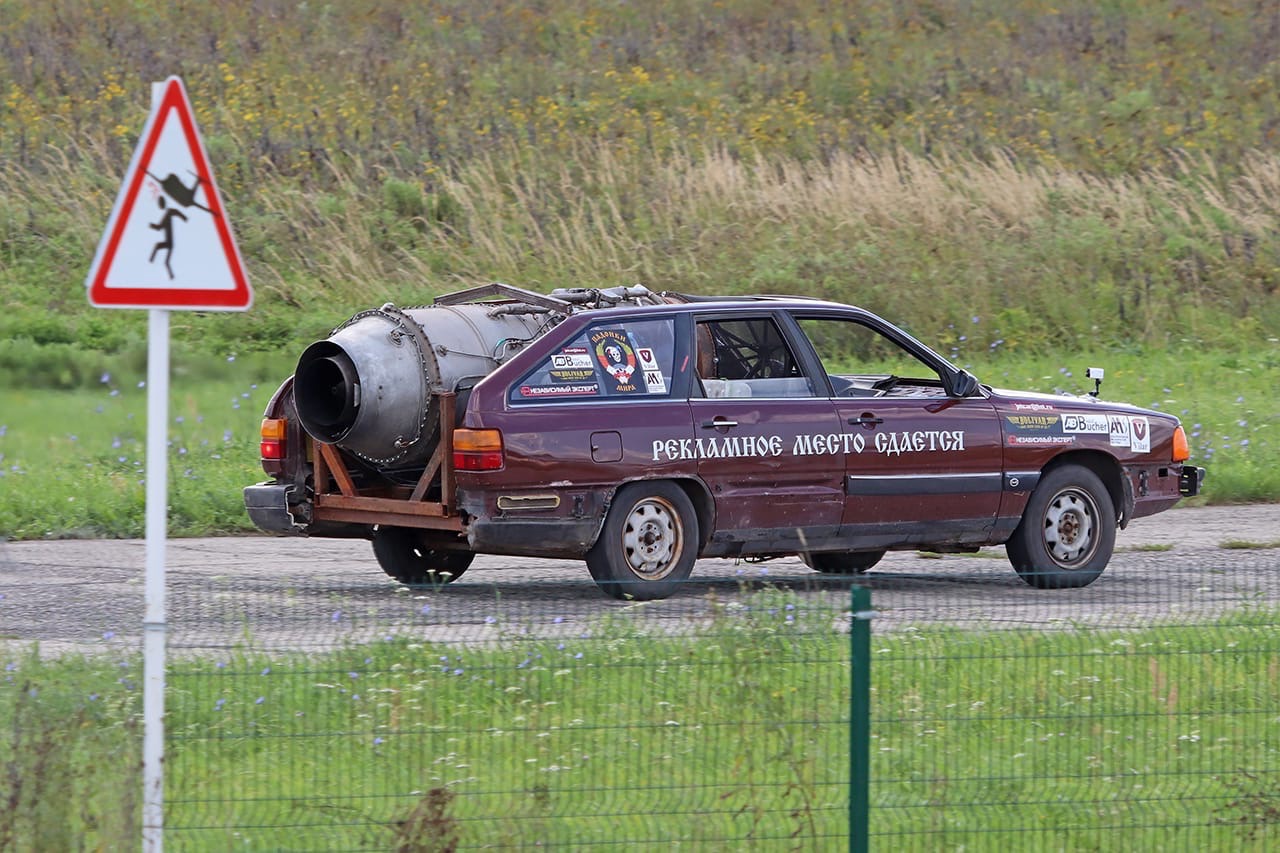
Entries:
{"x":396,"y":506}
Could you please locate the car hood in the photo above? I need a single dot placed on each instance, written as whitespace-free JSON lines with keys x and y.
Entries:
{"x":1031,"y":401}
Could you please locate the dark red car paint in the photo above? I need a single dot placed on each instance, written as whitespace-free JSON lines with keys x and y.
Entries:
{"x":950,"y":464}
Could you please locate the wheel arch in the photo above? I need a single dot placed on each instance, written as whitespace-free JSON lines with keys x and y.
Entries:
{"x":698,"y":494}
{"x":1108,"y":469}
{"x":703,"y":504}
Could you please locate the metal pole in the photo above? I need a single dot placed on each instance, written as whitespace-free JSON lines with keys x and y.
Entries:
{"x":153,"y":620}
{"x":860,"y":721}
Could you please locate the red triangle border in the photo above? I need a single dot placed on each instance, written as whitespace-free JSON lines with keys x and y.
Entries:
{"x":240,"y":297}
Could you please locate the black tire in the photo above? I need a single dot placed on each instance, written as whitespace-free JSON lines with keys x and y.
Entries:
{"x":1067,"y":532}
{"x":406,"y":555}
{"x":649,"y":542}
{"x":842,"y":562}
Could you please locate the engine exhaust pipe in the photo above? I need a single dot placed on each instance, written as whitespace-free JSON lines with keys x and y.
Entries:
{"x":327,"y":389}
{"x":368,"y":387}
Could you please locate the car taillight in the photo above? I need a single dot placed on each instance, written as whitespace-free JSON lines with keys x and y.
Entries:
{"x":477,"y":450}
{"x":1181,"y":450}
{"x":274,"y":431}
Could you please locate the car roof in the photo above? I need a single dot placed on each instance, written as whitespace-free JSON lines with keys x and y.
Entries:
{"x":625,"y":300}
{"x":698,"y":303}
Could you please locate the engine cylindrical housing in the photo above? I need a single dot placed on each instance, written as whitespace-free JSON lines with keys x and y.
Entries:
{"x":368,"y":387}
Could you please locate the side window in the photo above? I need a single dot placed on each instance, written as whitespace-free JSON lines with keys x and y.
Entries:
{"x":747,"y":358}
{"x":862,"y":362}
{"x":616,"y":359}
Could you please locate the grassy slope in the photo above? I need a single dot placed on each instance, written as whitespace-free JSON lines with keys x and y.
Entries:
{"x":1086,"y":181}
{"x":929,"y":160}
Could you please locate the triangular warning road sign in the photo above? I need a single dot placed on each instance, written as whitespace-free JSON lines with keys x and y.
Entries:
{"x":168,"y":243}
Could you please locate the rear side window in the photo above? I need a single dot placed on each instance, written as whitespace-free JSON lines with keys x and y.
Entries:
{"x":609,"y":360}
{"x":747,"y":358}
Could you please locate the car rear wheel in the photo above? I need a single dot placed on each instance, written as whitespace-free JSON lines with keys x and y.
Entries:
{"x":649,"y":542}
{"x":408,"y":556}
{"x":1067,"y":532}
{"x":842,"y":562}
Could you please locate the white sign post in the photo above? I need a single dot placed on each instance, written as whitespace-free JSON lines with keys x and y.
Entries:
{"x":167,"y":246}
{"x":154,"y":624}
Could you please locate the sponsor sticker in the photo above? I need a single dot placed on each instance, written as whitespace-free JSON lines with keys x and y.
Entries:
{"x":1082,"y":422}
{"x":1139,"y":435}
{"x":653,"y":381}
{"x":572,"y":364}
{"x":614,"y":353}
{"x":1034,"y":407}
{"x":1119,"y":430}
{"x":1032,"y":422}
{"x":1020,"y":440}
{"x":536,"y":391}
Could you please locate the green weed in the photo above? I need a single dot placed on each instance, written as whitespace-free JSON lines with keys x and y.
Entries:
{"x":73,"y":462}
{"x":737,"y":731}
{"x":1249,"y":544}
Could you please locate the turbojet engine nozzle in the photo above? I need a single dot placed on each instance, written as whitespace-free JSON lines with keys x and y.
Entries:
{"x":368,"y":388}
{"x":327,"y":391}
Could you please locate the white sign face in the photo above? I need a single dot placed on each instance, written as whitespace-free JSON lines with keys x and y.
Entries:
{"x":653,"y":381}
{"x":1077,"y":422}
{"x":168,"y":243}
{"x":1139,"y":435}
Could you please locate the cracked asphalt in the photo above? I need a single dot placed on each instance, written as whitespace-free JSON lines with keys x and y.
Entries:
{"x":222,"y":592}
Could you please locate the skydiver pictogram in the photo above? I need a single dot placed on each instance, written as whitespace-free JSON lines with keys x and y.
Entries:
{"x":166,"y":225}
{"x":185,"y":196}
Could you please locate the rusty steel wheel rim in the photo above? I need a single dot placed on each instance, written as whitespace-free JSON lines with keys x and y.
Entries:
{"x":1071,"y":528}
{"x":652,"y":538}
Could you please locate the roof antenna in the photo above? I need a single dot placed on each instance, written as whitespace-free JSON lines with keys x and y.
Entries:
{"x":1096,"y":374}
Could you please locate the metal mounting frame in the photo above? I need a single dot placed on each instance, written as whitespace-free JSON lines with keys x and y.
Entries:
{"x":398,"y":507}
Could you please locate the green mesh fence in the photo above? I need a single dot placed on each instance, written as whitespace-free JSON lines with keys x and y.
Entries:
{"x":363,"y":718}
{"x":315,"y":705}
{"x":1140,"y":713}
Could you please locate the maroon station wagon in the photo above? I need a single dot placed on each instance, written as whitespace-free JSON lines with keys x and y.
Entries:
{"x":640,"y":431}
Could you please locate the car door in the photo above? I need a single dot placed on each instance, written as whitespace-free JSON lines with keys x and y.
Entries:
{"x":920,"y":464}
{"x":756,"y":408}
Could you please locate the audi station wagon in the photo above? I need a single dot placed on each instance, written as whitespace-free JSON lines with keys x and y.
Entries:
{"x":640,"y":431}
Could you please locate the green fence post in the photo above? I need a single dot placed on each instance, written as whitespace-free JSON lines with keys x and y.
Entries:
{"x":860,"y":721}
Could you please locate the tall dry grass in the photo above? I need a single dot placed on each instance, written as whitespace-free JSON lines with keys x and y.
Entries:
{"x":1059,"y":254}
{"x":1051,"y":257}
{"x":1075,"y":173}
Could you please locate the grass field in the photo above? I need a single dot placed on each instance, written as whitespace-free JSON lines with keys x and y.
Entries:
{"x":72,"y":462}
{"x":1141,"y":739}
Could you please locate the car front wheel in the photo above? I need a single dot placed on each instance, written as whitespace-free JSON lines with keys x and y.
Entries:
{"x":408,"y":556}
{"x":649,"y":542}
{"x":1067,"y":532}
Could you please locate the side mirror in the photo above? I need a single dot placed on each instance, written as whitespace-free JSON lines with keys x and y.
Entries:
{"x":964,"y":384}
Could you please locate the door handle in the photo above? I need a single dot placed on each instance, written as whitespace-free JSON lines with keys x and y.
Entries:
{"x":866,"y":419}
{"x":718,"y":423}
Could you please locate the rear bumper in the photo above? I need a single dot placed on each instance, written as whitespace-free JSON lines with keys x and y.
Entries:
{"x":1190,"y":481}
{"x":268,"y":508}
{"x":564,"y":524}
